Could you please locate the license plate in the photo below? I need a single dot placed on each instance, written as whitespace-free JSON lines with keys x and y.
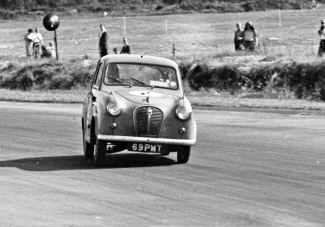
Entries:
{"x":144,"y":147}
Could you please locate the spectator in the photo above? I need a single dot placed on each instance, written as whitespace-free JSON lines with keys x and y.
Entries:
{"x":51,"y":49}
{"x":313,"y":4}
{"x":29,"y":37}
{"x":238,"y":39}
{"x":37,"y":45}
{"x":48,"y":52}
{"x":103,"y":41}
{"x":126,"y":49}
{"x":321,"y":33}
{"x":250,"y":37}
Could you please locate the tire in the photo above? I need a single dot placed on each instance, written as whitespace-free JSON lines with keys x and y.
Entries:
{"x":183,"y":155}
{"x":100,"y":155}
{"x":88,"y":148}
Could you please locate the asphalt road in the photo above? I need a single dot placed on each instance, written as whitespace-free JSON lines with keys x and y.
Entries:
{"x":249,"y":168}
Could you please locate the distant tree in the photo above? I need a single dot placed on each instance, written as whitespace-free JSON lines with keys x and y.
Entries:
{"x":17,"y":4}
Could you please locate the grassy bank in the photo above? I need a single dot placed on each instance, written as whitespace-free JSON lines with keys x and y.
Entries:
{"x":243,"y":81}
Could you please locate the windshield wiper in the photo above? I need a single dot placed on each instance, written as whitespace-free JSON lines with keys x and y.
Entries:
{"x":118,"y":80}
{"x":143,"y":83}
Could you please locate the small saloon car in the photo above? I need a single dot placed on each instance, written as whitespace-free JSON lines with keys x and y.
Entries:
{"x":137,"y":103}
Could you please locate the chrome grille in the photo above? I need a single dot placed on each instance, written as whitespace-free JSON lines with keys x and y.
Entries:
{"x":148,"y":121}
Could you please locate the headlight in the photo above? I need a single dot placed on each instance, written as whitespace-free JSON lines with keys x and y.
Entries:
{"x":183,"y":112}
{"x":114,"y":108}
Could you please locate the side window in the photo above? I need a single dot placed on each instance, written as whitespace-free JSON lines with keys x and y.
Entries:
{"x":99,"y":74}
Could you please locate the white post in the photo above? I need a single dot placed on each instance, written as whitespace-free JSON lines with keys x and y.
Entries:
{"x":124,"y":25}
{"x":166,"y":28}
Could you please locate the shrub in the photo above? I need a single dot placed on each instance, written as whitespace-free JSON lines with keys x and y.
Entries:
{"x":198,"y":77}
{"x":158,"y":7}
{"x":304,"y":80}
{"x":22,"y":81}
{"x":184,"y":69}
{"x":47,"y":75}
{"x":61,"y":82}
{"x":278,"y":79}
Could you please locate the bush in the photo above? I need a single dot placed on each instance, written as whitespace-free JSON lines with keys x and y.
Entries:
{"x":198,"y":77}
{"x":158,"y":7}
{"x":21,"y":82}
{"x":61,"y":82}
{"x":47,"y":75}
{"x":304,"y":80}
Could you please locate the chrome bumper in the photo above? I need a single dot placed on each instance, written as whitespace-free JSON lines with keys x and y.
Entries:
{"x":134,"y":139}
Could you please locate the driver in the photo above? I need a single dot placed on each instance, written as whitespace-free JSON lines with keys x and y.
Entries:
{"x":112,"y":71}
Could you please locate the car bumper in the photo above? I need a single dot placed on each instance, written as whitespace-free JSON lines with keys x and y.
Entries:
{"x":133,"y":139}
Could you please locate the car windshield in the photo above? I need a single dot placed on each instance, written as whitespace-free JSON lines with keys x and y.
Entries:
{"x":140,"y":75}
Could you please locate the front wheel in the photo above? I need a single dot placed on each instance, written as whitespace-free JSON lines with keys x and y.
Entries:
{"x":183,"y":155}
{"x":100,"y":154}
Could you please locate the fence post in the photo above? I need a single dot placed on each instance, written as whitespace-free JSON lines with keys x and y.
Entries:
{"x":279,"y":18}
{"x":166,"y":28}
{"x":174,"y":51}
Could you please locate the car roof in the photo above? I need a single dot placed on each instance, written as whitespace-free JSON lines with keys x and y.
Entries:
{"x":136,"y":58}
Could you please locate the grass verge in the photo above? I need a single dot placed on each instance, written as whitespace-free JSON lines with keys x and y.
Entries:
{"x":206,"y":99}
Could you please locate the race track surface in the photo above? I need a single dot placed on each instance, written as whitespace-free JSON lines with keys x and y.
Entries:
{"x":248,"y":169}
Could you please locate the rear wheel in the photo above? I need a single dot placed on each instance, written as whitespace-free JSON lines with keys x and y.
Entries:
{"x":88,"y":148}
{"x":100,"y":154}
{"x":183,"y":155}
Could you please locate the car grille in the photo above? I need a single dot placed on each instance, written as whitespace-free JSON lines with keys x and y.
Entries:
{"x":148,"y":121}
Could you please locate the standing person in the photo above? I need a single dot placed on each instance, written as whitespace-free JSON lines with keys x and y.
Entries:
{"x":313,"y":4}
{"x":321,"y":33}
{"x":29,"y":37}
{"x":126,"y":49}
{"x":38,"y":42}
{"x":238,"y":39}
{"x":103,"y":41}
{"x":250,"y":37}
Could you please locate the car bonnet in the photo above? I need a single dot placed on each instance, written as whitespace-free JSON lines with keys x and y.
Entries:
{"x":148,"y":97}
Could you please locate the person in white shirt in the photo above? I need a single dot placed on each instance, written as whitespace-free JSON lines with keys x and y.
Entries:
{"x":321,"y":33}
{"x":38,"y":42}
